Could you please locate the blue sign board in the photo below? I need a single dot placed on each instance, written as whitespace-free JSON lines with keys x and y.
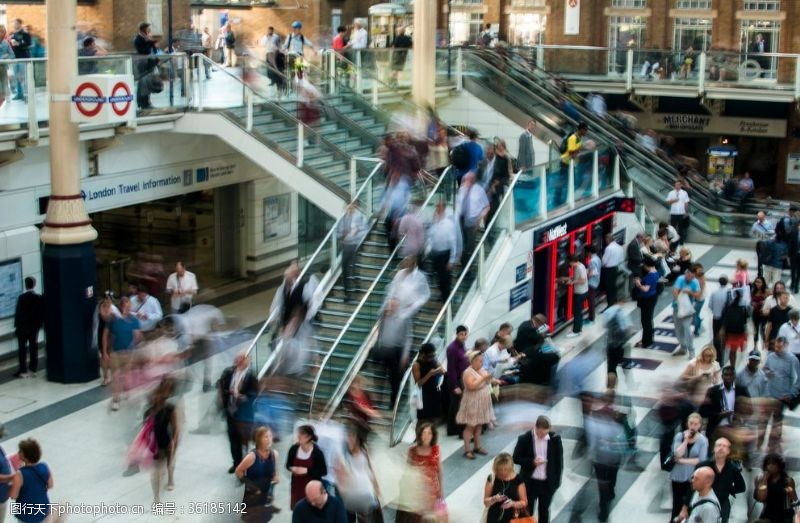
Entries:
{"x":521,"y":272}
{"x":519,"y":295}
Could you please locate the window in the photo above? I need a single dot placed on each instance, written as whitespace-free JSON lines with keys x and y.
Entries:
{"x":692,"y":32}
{"x":526,"y":28}
{"x":694,"y":4}
{"x":762,"y":5}
{"x":624,"y":32}
{"x":629,"y":3}
{"x":759,"y":37}
{"x":528,"y":3}
{"x":465,"y":27}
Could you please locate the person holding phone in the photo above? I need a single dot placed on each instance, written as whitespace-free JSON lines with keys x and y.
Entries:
{"x":689,"y":448}
{"x":504,"y":494}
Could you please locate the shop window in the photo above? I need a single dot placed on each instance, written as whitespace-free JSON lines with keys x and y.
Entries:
{"x":631,"y":4}
{"x":465,"y":27}
{"x":624,"y":32}
{"x":526,"y":28}
{"x":694,"y":4}
{"x":760,"y":37}
{"x":762,"y":5}
{"x":691,"y":32}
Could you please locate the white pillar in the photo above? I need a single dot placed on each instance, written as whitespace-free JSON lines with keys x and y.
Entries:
{"x":424,"y":62}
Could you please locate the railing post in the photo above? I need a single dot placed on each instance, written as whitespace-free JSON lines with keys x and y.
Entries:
{"x":332,"y":72}
{"x":797,"y":77}
{"x":629,"y":189}
{"x":448,"y":320}
{"x":334,"y":251}
{"x":543,"y":192}
{"x":595,"y":174}
{"x":571,"y":184}
{"x":701,"y":74}
{"x":249,"y":101}
{"x":358,"y":72}
{"x":615,"y":174}
{"x":459,"y":69}
{"x":30,"y":92}
{"x":481,"y":268}
{"x":512,"y":215}
{"x":187,"y":79}
{"x":132,"y":122}
{"x":375,"y":93}
{"x":370,"y":196}
{"x":201,"y":86}
{"x":629,"y":71}
{"x":300,"y":144}
{"x":540,"y":57}
{"x":353,"y":177}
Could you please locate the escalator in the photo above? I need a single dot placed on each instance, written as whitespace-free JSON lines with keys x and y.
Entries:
{"x":517,"y":86}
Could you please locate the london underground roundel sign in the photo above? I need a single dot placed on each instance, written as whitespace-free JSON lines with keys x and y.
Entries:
{"x":120,"y":98}
{"x":88,"y":99}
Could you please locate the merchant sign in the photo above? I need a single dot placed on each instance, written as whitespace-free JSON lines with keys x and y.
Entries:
{"x":705,"y":124}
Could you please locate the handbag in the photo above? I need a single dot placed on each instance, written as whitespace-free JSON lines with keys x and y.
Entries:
{"x":527,"y":518}
{"x":142,"y":451}
{"x":415,"y":398}
{"x":669,"y":463}
{"x":685,"y":307}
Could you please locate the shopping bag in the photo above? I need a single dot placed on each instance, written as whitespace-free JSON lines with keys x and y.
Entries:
{"x":142,"y":451}
{"x":685,"y":307}
{"x":522,"y":519}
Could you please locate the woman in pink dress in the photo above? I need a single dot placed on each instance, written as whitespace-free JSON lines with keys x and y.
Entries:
{"x":741,"y":278}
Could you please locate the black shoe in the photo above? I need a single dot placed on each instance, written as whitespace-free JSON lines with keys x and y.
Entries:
{"x":231,"y":470}
{"x":19,"y":374}
{"x":207,"y":386}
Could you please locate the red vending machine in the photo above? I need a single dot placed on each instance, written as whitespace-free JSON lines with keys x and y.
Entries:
{"x":555,"y":241}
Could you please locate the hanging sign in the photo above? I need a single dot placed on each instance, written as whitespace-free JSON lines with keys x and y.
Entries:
{"x":572,"y":17}
{"x":102,"y":98}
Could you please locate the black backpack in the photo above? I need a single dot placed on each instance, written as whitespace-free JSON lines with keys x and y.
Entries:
{"x":562,"y":147}
{"x":230,"y":38}
{"x":459,"y":156}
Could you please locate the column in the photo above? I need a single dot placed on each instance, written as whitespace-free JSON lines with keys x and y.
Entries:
{"x":424,"y":57}
{"x":68,"y":256}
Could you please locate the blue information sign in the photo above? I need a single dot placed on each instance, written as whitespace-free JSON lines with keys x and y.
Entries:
{"x":521,"y":272}
{"x":519,"y":295}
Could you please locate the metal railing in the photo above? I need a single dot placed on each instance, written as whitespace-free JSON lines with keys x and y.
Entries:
{"x":444,"y":178}
{"x":330,"y":241}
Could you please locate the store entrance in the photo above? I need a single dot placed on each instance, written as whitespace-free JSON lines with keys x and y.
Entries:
{"x":143,"y":242}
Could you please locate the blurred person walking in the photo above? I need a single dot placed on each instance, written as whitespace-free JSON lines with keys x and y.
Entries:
{"x":406,"y":295}
{"x":421,"y":489}
{"x":145,"y":45}
{"x":727,"y":481}
{"x":457,"y":363}
{"x":356,"y":482}
{"x":306,"y":463}
{"x":618,"y":331}
{"x":293,"y":303}
{"x":444,"y":239}
{"x":475,"y":409}
{"x":775,"y":254}
{"x":684,"y":293}
{"x":426,"y":372}
{"x":258,"y":471}
{"x":776,"y":318}
{"x":783,"y":383}
{"x":466,"y":156}
{"x":700,"y":276}
{"x":400,"y":46}
{"x":593,"y":271}
{"x":412,"y":229}
{"x":167,"y":430}
{"x":237,"y":388}
{"x":28,"y":321}
{"x":717,"y":303}
{"x":31,"y":483}
{"x":689,"y":448}
{"x":776,"y":490}
{"x":758,"y":295}
{"x":122,"y":335}
{"x":182,"y":288}
{"x":472,"y":206}
{"x":351,"y":231}
{"x":540,"y":455}
{"x":726,"y":406}
{"x":230,"y":45}
{"x":734,"y":328}
{"x":701,"y":373}
{"x":504,"y":494}
{"x":753,"y":377}
{"x":6,"y":53}
{"x":605,"y":436}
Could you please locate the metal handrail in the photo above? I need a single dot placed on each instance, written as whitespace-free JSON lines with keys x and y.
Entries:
{"x":363,"y":301}
{"x":309,"y":263}
{"x":280,"y":110}
{"x":508,"y":195}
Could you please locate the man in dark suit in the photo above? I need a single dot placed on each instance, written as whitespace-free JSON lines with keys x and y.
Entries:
{"x":237,"y":388}
{"x":540,"y":455}
{"x":793,"y":242}
{"x":526,"y":156}
{"x":28,"y":319}
{"x":725,"y":404}
{"x":635,"y":258}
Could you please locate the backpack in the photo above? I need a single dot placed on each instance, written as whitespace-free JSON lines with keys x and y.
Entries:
{"x":702,"y":502}
{"x":562,"y":147}
{"x":459,"y":157}
{"x":230,"y":38}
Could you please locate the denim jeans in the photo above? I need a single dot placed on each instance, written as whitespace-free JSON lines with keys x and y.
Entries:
{"x":683,"y":331}
{"x":698,"y":320}
{"x":19,"y":80}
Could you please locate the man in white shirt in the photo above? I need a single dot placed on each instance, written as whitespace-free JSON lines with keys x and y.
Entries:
{"x":444,"y":239}
{"x":791,"y":331}
{"x":595,"y":269}
{"x":580,"y":287}
{"x":540,"y":455}
{"x":146,"y":308}
{"x":271,"y":43}
{"x":678,"y":200}
{"x":359,"y":38}
{"x":182,"y":288}
{"x":705,"y":506}
{"x":762,"y":230}
{"x":473,"y":206}
{"x":613,"y":257}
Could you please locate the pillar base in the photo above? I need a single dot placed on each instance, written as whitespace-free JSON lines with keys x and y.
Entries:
{"x":69,"y":295}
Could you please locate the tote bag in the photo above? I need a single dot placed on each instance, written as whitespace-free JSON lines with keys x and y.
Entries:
{"x":685,"y":307}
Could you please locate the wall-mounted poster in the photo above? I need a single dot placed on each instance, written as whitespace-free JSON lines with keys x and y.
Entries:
{"x":277,"y":216}
{"x":572,"y":17}
{"x":10,"y":286}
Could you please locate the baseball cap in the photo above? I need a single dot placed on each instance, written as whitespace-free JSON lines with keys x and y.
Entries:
{"x":754,"y":355}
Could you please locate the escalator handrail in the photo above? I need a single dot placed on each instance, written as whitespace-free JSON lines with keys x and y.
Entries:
{"x":286,"y":115}
{"x":308,"y":263}
{"x":367,"y":295}
{"x":406,"y":99}
{"x":439,"y":317}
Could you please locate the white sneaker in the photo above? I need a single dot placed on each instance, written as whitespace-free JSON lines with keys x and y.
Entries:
{"x":574,"y":335}
{"x":678,"y":351}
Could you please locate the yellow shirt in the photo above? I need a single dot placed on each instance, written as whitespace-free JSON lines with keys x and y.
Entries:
{"x":573,"y":145}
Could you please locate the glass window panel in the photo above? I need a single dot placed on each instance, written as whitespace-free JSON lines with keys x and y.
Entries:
{"x":759,"y":37}
{"x":624,"y":32}
{"x":526,"y":28}
{"x":762,"y":5}
{"x":465,"y":27}
{"x":694,"y":4}
{"x":529,"y":3}
{"x":629,"y":3}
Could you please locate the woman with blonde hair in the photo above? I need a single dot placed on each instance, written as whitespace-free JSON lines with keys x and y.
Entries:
{"x":701,"y":373}
{"x":475,"y":409}
{"x":504,"y":494}
{"x":259,"y":473}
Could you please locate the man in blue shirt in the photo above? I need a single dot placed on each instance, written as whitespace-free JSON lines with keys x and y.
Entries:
{"x":318,"y":506}
{"x":475,"y":154}
{"x":683,"y":318}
